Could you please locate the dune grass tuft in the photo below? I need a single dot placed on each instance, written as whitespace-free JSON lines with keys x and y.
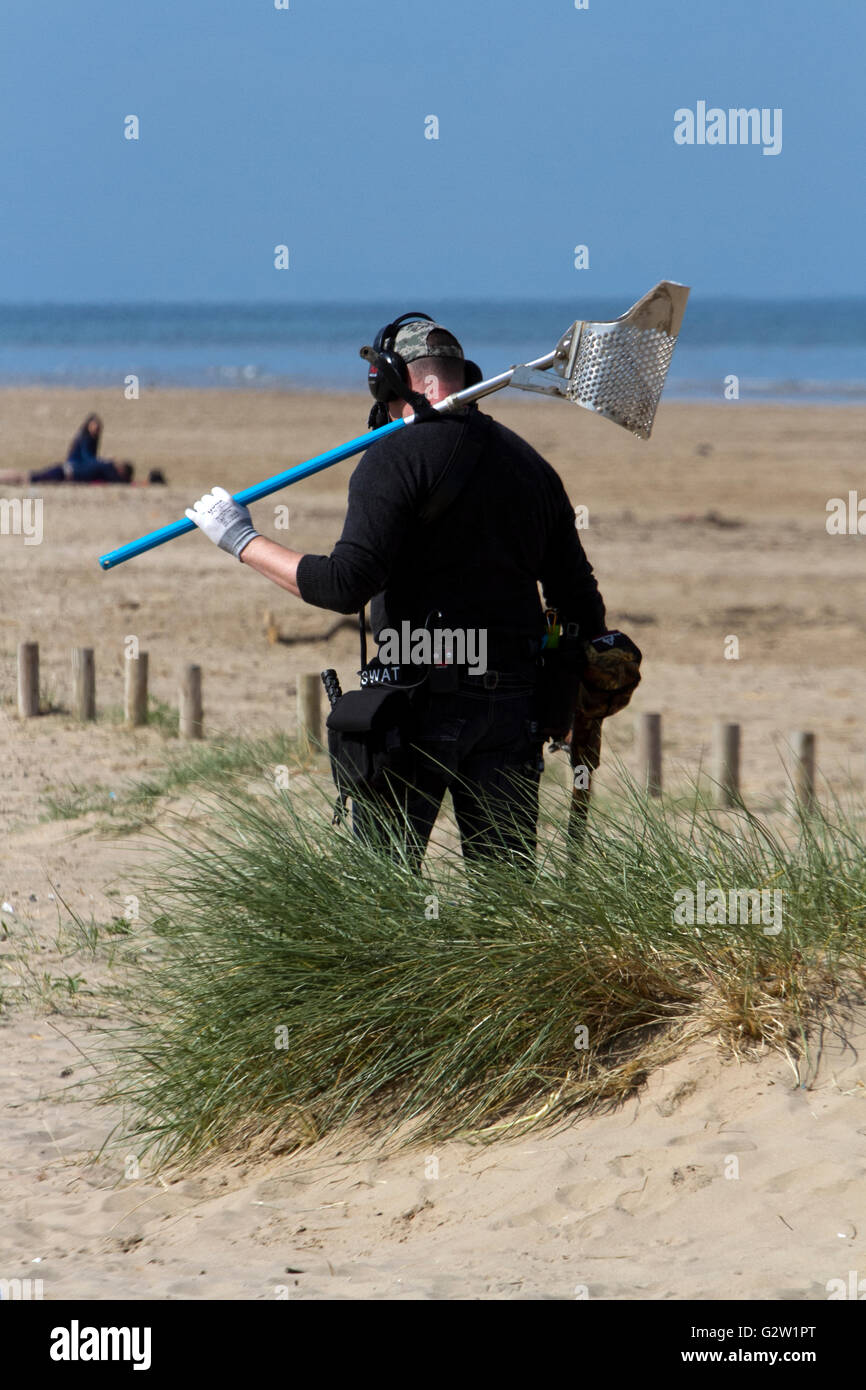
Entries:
{"x":300,"y":980}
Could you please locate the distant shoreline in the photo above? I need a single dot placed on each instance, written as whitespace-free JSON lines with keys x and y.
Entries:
{"x":842,"y":394}
{"x":782,"y":351}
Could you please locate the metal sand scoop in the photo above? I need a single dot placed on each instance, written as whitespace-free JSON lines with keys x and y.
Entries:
{"x":615,"y":369}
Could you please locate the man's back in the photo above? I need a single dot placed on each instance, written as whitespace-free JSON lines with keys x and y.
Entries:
{"x":479,"y":563}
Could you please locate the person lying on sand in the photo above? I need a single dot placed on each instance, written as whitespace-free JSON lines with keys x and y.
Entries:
{"x":83,"y":464}
{"x":56,"y":474}
{"x":62,"y":473}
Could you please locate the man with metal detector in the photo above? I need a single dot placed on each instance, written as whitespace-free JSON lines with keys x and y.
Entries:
{"x":450,"y":528}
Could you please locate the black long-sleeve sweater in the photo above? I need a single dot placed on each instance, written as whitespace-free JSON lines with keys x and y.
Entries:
{"x":511,"y":526}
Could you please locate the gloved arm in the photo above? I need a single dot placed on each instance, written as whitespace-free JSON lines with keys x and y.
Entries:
{"x":224,"y":521}
{"x":229,"y":525}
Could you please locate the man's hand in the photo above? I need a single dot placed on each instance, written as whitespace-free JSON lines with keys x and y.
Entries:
{"x":224,"y":521}
{"x":229,"y":525}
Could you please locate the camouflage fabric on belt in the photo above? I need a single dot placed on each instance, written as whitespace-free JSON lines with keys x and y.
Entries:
{"x":610,"y":676}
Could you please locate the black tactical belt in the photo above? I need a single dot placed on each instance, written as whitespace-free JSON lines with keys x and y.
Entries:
{"x":500,"y":680}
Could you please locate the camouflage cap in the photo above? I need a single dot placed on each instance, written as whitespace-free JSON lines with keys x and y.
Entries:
{"x":418,"y":338}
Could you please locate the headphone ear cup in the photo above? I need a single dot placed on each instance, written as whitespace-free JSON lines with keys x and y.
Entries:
{"x":473,"y":374}
{"x":377,"y":388}
{"x":377,"y":381}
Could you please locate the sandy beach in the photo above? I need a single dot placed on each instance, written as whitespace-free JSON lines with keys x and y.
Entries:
{"x":714,"y":529}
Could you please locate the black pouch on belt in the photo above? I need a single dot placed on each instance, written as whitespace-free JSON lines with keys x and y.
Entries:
{"x":558,"y":685}
{"x":369,"y":739}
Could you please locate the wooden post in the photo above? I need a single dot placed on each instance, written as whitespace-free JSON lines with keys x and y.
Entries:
{"x":726,"y":764}
{"x":309,"y":711}
{"x":191,"y":713}
{"x":583,"y":760}
{"x":649,"y":750}
{"x":272,"y":632}
{"x":802,"y":770}
{"x":135,"y":689}
{"x":83,"y":684}
{"x":28,"y":679}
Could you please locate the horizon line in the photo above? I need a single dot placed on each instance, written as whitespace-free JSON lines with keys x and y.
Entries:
{"x":719,"y":297}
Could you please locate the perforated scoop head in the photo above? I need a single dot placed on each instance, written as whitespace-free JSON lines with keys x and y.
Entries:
{"x":618,"y":369}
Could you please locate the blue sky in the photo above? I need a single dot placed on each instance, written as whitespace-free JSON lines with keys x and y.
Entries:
{"x":306,"y":127}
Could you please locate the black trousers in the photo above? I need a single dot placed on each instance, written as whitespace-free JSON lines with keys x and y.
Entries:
{"x":482,"y":744}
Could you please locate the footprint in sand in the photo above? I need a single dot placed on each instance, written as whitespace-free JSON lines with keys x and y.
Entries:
{"x":691,"y":1178}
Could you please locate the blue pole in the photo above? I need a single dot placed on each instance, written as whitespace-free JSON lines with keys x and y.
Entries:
{"x":253,"y":494}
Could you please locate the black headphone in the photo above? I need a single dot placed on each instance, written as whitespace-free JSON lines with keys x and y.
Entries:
{"x":385,"y":363}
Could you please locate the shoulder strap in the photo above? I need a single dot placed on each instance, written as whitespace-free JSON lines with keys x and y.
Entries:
{"x":459,"y":468}
{"x":467,"y":450}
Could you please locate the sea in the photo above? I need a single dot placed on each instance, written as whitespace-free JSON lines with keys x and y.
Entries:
{"x":781,"y":350}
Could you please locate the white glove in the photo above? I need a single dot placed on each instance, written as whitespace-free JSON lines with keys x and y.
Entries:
{"x":224,"y":521}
